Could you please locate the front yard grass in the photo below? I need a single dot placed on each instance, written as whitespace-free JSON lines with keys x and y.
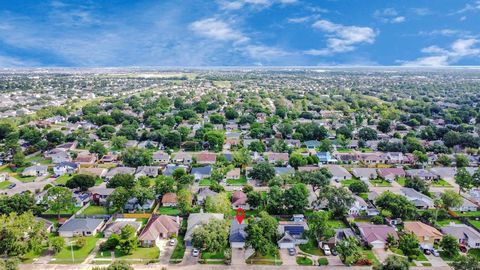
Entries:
{"x":79,"y":254}
{"x":380,"y":183}
{"x":475,"y":252}
{"x":475,"y":223}
{"x":322,"y":261}
{"x":468,"y":214}
{"x":347,"y":183}
{"x":337,"y":224}
{"x":401,"y":181}
{"x":62,"y":180}
{"x":311,"y":248}
{"x":140,"y":253}
{"x":237,"y":182}
{"x":205,"y":182}
{"x":213,"y":255}
{"x":302,"y":260}
{"x":441,"y":183}
{"x":269,"y":259}
{"x":5,"y":184}
{"x":446,"y":222}
{"x":172,"y":211}
{"x":369,"y":254}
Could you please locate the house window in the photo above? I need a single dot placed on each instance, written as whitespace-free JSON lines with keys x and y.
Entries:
{"x":477,"y":244}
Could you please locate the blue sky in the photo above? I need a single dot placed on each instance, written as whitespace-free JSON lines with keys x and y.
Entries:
{"x":111,"y":33}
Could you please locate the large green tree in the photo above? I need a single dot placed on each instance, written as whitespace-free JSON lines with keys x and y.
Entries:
{"x":58,"y":199}
{"x":262,"y":234}
{"x":212,"y":236}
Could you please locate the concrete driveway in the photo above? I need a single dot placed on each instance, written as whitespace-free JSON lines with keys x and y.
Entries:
{"x":287,"y":259}
{"x":165,"y":251}
{"x":188,"y":259}
{"x":381,"y":254}
{"x":238,"y":256}
{"x":334,"y":261}
{"x":436,"y":261}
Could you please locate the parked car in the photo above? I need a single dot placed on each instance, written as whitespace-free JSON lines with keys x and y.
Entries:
{"x":195,"y":252}
{"x":12,"y":186}
{"x":427,"y":251}
{"x":435,"y":253}
{"x":326,"y":250}
{"x":334,"y":252}
{"x":291,"y":251}
{"x":172,"y":241}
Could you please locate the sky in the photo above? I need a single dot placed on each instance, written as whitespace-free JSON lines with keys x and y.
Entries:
{"x":114,"y":33}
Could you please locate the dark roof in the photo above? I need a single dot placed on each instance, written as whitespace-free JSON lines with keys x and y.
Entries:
{"x":295,"y":229}
{"x":237,"y":232}
{"x":207,"y":170}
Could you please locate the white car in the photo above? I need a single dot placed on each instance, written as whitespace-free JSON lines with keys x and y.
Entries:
{"x":172,"y":242}
{"x":195,"y":252}
{"x":326,"y":250}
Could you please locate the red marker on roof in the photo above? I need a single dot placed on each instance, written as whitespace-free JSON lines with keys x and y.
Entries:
{"x":240,"y":214}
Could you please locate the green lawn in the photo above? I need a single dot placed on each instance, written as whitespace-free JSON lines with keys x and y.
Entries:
{"x":304,"y":261}
{"x":311,"y":248}
{"x":104,"y":254}
{"x":172,"y":211}
{"x":347,"y":183}
{"x":475,"y":223}
{"x":95,"y":210}
{"x":401,"y":181}
{"x":446,"y":222}
{"x":270,"y":259}
{"x":205,"y":182}
{"x":98,"y":181}
{"x":369,"y":254}
{"x":39,"y":160}
{"x":139,"y":253}
{"x":179,"y":251}
{"x":475,"y":252}
{"x":62,"y":180}
{"x":380,"y":183}
{"x":441,"y":183}
{"x":213,"y":255}
{"x":468,"y":214}
{"x":5,"y":184}
{"x":422,"y":258}
{"x":337,"y":224}
{"x":237,"y":182}
{"x":322,"y":261}
{"x":26,"y":179}
{"x":79,"y":254}
{"x":71,"y":211}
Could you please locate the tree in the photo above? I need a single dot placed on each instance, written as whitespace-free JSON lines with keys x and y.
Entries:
{"x":119,"y":141}
{"x":59,"y":199}
{"x":319,"y":226}
{"x":21,"y":234}
{"x":420,"y":156}
{"x":142,"y":194}
{"x":128,"y":239}
{"x":476,"y":178}
{"x":461,"y":161}
{"x":56,"y":243}
{"x":339,"y":200}
{"x":296,"y":198}
{"x":256,"y":146}
{"x":262,"y":234}
{"x":444,"y":160}
{"x":417,"y":184}
{"x":218,"y":204}
{"x":296,"y":160}
{"x":349,"y":250}
{"x":463,"y":179}
{"x":230,"y":113}
{"x":212,"y":236}
{"x":55,"y":137}
{"x":274,"y":201}
{"x":254,"y":199}
{"x":384,"y":126}
{"x":397,"y":205}
{"x":263,"y":172}
{"x":241,"y":158}
{"x":469,"y":262}
{"x":19,"y":203}
{"x":122,"y":180}
{"x":367,"y":134}
{"x":317,"y":179}
{"x":19,"y":159}
{"x":136,"y":157}
{"x":393,"y":262}
{"x":119,"y":198}
{"x":451,"y":199}
{"x":186,"y":180}
{"x":119,"y":265}
{"x":215,"y":139}
{"x":81,"y":181}
{"x":99,"y":149}
{"x":358,"y":187}
{"x":184,"y":198}
{"x":216,"y":118}
{"x":449,"y":245}
{"x":9,"y":263}
{"x":408,"y":244}
{"x":164,"y":184}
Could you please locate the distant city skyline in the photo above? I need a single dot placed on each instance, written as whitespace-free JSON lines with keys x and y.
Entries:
{"x":196,"y":33}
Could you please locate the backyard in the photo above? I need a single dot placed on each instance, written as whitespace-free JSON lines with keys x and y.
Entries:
{"x":96,"y":210}
{"x":172,"y":211}
{"x":380,"y":183}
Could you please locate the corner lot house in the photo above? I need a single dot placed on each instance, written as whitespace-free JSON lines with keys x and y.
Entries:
{"x":375,"y":235}
{"x":466,"y":235}
{"x":195,"y":220}
{"x":157,"y":228}
{"x":426,"y":235}
{"x":80,"y":227}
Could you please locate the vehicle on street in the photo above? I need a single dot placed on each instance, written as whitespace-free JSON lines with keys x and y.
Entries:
{"x":12,"y":186}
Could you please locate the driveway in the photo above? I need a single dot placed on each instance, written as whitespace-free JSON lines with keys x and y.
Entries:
{"x":436,"y":261}
{"x":238,"y":256}
{"x":381,"y":254}
{"x":165,"y":251}
{"x":334,"y":261}
{"x":287,"y":259}
{"x":188,"y":259}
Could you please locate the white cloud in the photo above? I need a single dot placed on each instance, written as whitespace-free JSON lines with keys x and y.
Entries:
{"x":264,"y":52}
{"x":238,"y":4}
{"x":461,"y":48}
{"x":447,"y":32}
{"x":299,"y":19}
{"x":389,"y":15}
{"x":473,"y":6}
{"x":342,"y":38}
{"x":218,"y":30}
{"x":421,"y":11}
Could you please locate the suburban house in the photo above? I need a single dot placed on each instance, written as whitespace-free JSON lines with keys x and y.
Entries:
{"x":375,"y":235}
{"x":100,"y":195}
{"x":48,"y":225}
{"x":169,"y":199}
{"x":150,"y":171}
{"x":98,"y":172}
{"x":239,"y":200}
{"x":65,"y":168}
{"x":394,"y":158}
{"x":359,"y":206}
{"x":195,"y":220}
{"x":292,"y":233}
{"x":133,"y":205}
{"x":80,"y":227}
{"x":275,"y":158}
{"x":109,"y":158}
{"x":86,"y":159}
{"x":67,"y":146}
{"x":206,"y":158}
{"x":446,"y":173}
{"x":58,"y":156}
{"x":233,"y":174}
{"x":161,"y":158}
{"x":420,"y":200}
{"x":120,"y":170}
{"x":312,"y":144}
{"x":201,"y":172}
{"x":170,"y":168}
{"x":466,"y":235}
{"x":365,"y":174}
{"x":340,"y":234}
{"x":116,"y":226}
{"x":284,"y":171}
{"x":467,"y":206}
{"x":237,"y":234}
{"x":182,"y":158}
{"x":338,"y":173}
{"x":426,"y":235}
{"x":159,"y":227}
{"x":422,"y":174}
{"x":203,"y":193}
{"x":37,"y":171}
{"x":391,"y":174}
